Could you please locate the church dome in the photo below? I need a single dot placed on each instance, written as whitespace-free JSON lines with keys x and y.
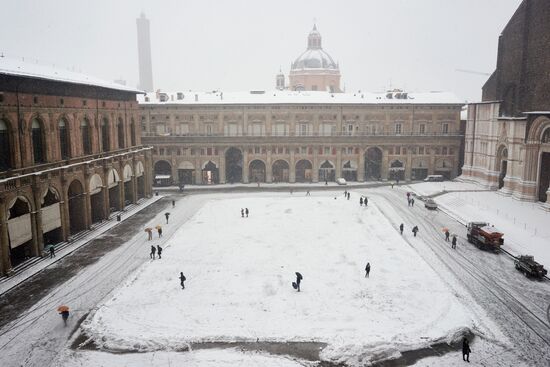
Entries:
{"x":314,"y":57}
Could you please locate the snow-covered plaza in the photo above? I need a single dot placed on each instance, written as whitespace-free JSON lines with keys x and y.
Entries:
{"x":239,"y":273}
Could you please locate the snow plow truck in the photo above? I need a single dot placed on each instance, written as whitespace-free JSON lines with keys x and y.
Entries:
{"x":528,"y":266}
{"x":484,"y":236}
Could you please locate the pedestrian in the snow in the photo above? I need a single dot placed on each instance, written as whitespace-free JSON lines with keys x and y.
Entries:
{"x":298,"y":281}
{"x":466,"y":350}
{"x":167,"y":215}
{"x":408,"y":195}
{"x":408,"y":202}
{"x":366,"y":201}
{"x":447,"y":234}
{"x":415,"y":230}
{"x":246,"y":212}
{"x":173,"y":203}
{"x":307,"y":193}
{"x":153,"y":251}
{"x":453,"y":243}
{"x":345,"y":193}
{"x":397,"y":182}
{"x":349,"y":195}
{"x":149,"y":234}
{"x":412,"y":201}
{"x":242,"y":213}
{"x":52,"y":251}
{"x":159,"y":230}
{"x":159,"y":251}
{"x":326,"y":182}
{"x":361,"y":201}
{"x":182,"y":279}
{"x":367,"y":270}
{"x":290,"y":191}
{"x":401,"y":226}
{"x":392,"y":185}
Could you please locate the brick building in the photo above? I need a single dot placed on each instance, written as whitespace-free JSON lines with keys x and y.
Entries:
{"x":507,"y":141}
{"x":70,"y":156}
{"x":287,"y":136}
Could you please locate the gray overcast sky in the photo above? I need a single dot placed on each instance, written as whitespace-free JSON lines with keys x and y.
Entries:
{"x":240,"y":45}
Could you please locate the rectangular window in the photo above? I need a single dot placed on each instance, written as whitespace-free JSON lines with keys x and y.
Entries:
{"x":208,"y":129}
{"x":445,"y":128}
{"x":422,"y":128}
{"x":420,"y":150}
{"x":303,"y":129}
{"x":327,"y":150}
{"x":444,"y":151}
{"x":398,"y":128}
{"x":208,"y":151}
{"x":256,"y":150}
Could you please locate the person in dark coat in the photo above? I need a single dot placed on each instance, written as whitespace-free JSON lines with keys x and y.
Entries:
{"x":298,"y":281}
{"x":466,"y":350}
{"x":401,"y":226}
{"x":367,"y":270}
{"x":308,"y":193}
{"x":65,"y":316}
{"x":447,"y":234}
{"x":159,"y":251}
{"x":52,"y":251}
{"x":182,"y":279}
{"x":408,"y":202}
{"x":415,"y":230}
{"x":167,"y":215}
{"x":412,"y":202}
{"x":153,"y":251}
{"x":173,"y":203}
{"x":159,"y":230}
{"x":366,"y":201}
{"x":453,"y":243}
{"x":242,"y":213}
{"x":349,"y":195}
{"x":246,"y":212}
{"x":361,"y":201}
{"x":345,"y":193}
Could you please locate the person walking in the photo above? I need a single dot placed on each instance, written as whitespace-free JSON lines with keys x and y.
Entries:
{"x":345,"y":193}
{"x":159,"y":251}
{"x":349,"y":195}
{"x":412,"y":201}
{"x":167,"y":215}
{"x":447,"y":234}
{"x":246,"y":212}
{"x":242,"y":213}
{"x":408,"y":196}
{"x":415,"y":230}
{"x":182,"y":279}
{"x":296,"y":285}
{"x":149,"y":234}
{"x":64,"y":312}
{"x":401,"y":226}
{"x":466,"y":350}
{"x":52,"y":251}
{"x":453,"y":243}
{"x":367,"y":270}
{"x":159,"y":230}
{"x":408,"y":202}
{"x":366,"y":201}
{"x":153,"y":251}
{"x":173,"y":203}
{"x":392,"y":185}
{"x":307,"y":193}
{"x":361,"y":201}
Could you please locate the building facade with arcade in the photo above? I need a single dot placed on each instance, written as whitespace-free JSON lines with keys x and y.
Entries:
{"x":70,"y":156}
{"x":309,"y":136}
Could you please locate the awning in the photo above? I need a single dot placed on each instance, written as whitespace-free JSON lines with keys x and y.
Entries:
{"x":162,"y":177}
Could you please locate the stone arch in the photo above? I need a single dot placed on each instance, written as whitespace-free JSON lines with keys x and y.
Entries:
{"x":419,"y":168}
{"x":303,"y":169}
{"x":210,"y":173}
{"x":121,"y":133}
{"x":281,"y":170}
{"x":501,"y":164}
{"x":327,"y":171}
{"x":77,"y":206}
{"x":38,"y":139}
{"x":63,"y":128}
{"x":397,"y":170}
{"x":349,"y":170}
{"x":96,"y":198}
{"x":52,"y":232}
{"x":113,"y":181}
{"x":19,"y":229}
{"x":127,"y":176}
{"x":373,"y":163}
{"x":127,"y":173}
{"x":104,"y":134}
{"x":257,"y":171}
{"x":140,"y":179}
{"x":233,"y":165}
{"x":539,"y":125}
{"x":163,"y":173}
{"x":443,"y":167}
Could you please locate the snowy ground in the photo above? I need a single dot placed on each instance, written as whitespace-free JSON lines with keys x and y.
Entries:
{"x":526,"y":227}
{"x":239,"y":272}
{"x":431,"y":188}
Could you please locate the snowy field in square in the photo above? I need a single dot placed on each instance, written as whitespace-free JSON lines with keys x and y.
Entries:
{"x":239,"y":273}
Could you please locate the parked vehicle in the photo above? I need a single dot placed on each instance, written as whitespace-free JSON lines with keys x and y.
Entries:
{"x":434,"y":178}
{"x":430,"y":204}
{"x":341,"y":181}
{"x":484,"y":236}
{"x":528,"y":266}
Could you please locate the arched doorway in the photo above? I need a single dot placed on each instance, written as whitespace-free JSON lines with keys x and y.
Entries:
{"x":77,"y":207}
{"x":303,"y":171}
{"x":140,"y":177}
{"x":419,"y":169}
{"x":96,"y":198}
{"x":163,"y":173}
{"x":502,"y":164}
{"x":113,"y":180}
{"x":373,"y":164}
{"x":38,"y":142}
{"x":326,"y":171}
{"x":51,"y":218}
{"x":210,"y":173}
{"x":444,"y":168}
{"x":186,"y":173}
{"x":19,"y":230}
{"x":256,"y":171}
{"x":397,"y":170}
{"x":280,"y":171}
{"x":544,"y":166}
{"x":233,"y":165}
{"x":349,"y":170}
{"x":127,"y":174}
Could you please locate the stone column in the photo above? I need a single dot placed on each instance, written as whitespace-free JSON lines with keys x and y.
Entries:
{"x":198,"y":171}
{"x":384,"y":165}
{"x":64,"y":208}
{"x":268,"y":167}
{"x":245,"y":165}
{"x":5,"y":263}
{"x":408,"y":165}
{"x":87,"y":200}
{"x":105,"y":190}
{"x":221,"y":168}
{"x":36,"y":219}
{"x":361,"y":167}
{"x":292,"y":168}
{"x":121,"y":193}
{"x":338,"y":162}
{"x":315,"y":175}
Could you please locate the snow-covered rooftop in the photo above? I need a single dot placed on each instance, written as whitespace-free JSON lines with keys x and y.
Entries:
{"x":18,"y":67}
{"x":293,"y":97}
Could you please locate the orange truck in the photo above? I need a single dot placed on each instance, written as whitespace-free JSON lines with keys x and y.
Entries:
{"x":484,"y":236}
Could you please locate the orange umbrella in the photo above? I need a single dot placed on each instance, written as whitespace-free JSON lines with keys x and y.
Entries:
{"x":63,"y":309}
{"x":148,"y":229}
{"x":444,"y":229}
{"x":158,"y":226}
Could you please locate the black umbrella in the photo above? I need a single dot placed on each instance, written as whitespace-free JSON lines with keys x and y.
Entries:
{"x":299,"y":276}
